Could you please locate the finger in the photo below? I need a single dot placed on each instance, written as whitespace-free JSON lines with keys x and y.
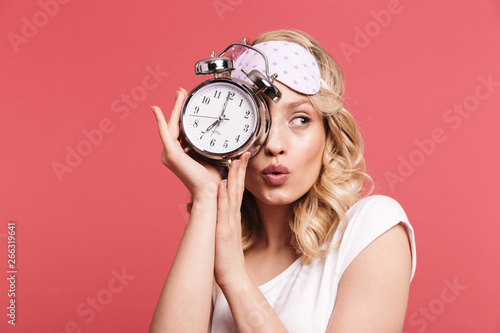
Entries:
{"x":173,"y":122}
{"x":222,"y":203}
{"x":241,"y":175}
{"x":232,"y":185}
{"x":165,"y":135}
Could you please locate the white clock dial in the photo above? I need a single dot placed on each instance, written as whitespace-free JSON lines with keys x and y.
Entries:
{"x":219,"y":118}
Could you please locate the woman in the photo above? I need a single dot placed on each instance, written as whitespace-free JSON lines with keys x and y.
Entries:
{"x":287,"y":237}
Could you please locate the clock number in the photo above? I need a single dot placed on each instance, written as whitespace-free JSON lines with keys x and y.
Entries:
{"x":196,"y":109}
{"x":231,"y":95}
{"x":202,"y":134}
{"x":225,"y":144}
{"x":241,"y":102}
{"x":217,"y":94}
{"x":205,"y":100}
{"x":247,"y":113}
{"x":212,"y":142}
{"x":246,"y":128}
{"x":238,"y":138}
{"x":195,"y":124}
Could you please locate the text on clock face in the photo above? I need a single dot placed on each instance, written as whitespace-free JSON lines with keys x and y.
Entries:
{"x":220,"y":118}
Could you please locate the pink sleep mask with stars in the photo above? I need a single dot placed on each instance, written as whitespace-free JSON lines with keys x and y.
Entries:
{"x":296,"y":67}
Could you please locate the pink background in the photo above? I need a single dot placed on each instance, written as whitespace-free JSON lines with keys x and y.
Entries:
{"x":415,"y":73}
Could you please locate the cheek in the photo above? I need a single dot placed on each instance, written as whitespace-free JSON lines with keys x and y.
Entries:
{"x":312,"y":148}
{"x":251,"y":173}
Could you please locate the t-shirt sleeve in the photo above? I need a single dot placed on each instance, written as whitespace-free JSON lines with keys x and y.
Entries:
{"x":367,"y":220}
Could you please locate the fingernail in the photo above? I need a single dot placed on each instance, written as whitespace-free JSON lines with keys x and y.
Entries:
{"x":247,"y":157}
{"x":224,"y":182}
{"x":236,"y":164}
{"x":177,"y":94}
{"x":153,"y":107}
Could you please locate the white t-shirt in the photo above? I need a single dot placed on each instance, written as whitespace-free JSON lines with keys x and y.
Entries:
{"x":303,"y":296}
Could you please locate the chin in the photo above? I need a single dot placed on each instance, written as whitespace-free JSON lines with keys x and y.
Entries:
{"x":277,"y":202}
{"x":282,"y":195}
{"x":277,"y":198}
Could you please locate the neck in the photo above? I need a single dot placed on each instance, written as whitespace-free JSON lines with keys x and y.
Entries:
{"x":275,"y":226}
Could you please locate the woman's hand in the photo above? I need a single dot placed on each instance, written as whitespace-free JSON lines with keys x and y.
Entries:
{"x":185,"y":303}
{"x":200,"y":179}
{"x":229,"y":258}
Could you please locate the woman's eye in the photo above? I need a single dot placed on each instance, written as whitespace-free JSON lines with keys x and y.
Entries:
{"x":301,"y":121}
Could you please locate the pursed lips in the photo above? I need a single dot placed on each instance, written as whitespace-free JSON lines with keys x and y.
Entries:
{"x":275,"y":174}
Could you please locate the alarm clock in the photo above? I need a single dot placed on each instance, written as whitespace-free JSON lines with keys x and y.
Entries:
{"x":224,"y":117}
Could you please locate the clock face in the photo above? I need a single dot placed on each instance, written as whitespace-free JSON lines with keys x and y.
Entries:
{"x":219,"y":118}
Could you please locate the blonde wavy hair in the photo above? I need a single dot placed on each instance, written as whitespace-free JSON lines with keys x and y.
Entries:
{"x":342,"y":179}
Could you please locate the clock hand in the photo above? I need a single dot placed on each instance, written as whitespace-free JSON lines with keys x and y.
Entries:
{"x":221,"y":117}
{"x":212,"y":126}
{"x":217,"y":126}
{"x":193,"y":115}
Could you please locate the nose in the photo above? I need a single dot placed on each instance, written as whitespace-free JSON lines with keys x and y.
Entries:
{"x":276,"y":141}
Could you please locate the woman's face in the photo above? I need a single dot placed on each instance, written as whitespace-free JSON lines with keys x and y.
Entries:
{"x":289,"y":163}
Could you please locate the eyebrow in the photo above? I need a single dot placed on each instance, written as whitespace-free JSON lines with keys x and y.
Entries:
{"x":293,"y":105}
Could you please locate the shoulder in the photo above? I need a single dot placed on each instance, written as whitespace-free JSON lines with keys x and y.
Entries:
{"x":377,"y":206}
{"x":377,"y":261}
{"x":373,"y":215}
{"x":373,"y":290}
{"x":369,"y":219}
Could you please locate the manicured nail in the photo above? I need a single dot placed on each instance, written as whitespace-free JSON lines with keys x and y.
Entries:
{"x":224,"y":183}
{"x":247,"y":157}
